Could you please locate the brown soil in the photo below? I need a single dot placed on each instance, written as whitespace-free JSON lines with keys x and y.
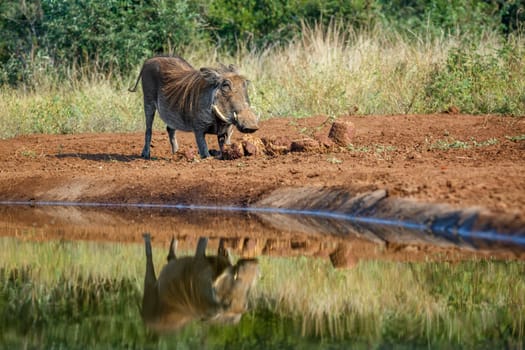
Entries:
{"x":391,"y":152}
{"x":397,"y":153}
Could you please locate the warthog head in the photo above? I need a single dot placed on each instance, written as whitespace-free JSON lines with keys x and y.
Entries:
{"x":207,"y":288}
{"x":231,"y":103}
{"x":233,"y":288}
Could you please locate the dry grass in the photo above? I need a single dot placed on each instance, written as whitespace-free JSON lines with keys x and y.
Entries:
{"x":331,"y":71}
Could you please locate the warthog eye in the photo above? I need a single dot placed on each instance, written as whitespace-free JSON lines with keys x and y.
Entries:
{"x":226,"y":85}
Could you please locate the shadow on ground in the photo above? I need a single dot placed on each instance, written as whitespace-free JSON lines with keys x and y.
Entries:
{"x":100,"y":157}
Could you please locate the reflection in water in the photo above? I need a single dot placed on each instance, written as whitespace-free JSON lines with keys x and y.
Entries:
{"x":75,"y":294}
{"x":60,"y":291}
{"x":201,"y":287}
{"x":261,"y":233}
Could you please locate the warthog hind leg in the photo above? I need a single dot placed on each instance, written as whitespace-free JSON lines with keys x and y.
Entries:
{"x":149,"y":111}
{"x":173,"y":140}
{"x":150,"y":298}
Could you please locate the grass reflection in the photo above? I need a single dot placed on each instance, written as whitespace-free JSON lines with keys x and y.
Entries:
{"x":472,"y":302}
{"x":85,"y":294}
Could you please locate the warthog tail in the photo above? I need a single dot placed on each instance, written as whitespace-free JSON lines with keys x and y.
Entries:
{"x":134,"y":88}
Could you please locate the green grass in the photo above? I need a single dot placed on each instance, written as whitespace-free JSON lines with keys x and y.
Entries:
{"x":331,"y":70}
{"x":76,"y":294}
{"x":449,"y":143}
{"x":516,"y":138}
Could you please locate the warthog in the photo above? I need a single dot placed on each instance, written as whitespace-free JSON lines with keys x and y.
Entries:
{"x":207,"y":288}
{"x":205,"y":101}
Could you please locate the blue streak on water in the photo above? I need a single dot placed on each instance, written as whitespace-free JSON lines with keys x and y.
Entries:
{"x":443,"y":230}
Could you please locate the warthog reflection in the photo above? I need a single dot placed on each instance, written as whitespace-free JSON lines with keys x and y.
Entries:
{"x":199,"y":287}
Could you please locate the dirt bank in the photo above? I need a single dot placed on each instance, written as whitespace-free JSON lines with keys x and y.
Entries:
{"x":461,"y":160}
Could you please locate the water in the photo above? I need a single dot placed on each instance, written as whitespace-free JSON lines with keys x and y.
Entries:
{"x":72,"y":277}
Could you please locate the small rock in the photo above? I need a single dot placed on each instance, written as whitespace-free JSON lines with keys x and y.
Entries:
{"x":304,"y":145}
{"x":452,"y":110}
{"x":324,"y":141}
{"x":187,"y":154}
{"x":252,"y":145}
{"x":233,"y":151}
{"x":279,"y":145}
{"x":342,"y":133}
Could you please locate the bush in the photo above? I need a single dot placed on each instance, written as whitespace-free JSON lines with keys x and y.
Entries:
{"x":115,"y":36}
{"x":111,"y":36}
{"x":479,"y":83}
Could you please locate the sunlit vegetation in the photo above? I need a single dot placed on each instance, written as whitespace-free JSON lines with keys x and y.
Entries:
{"x":451,"y":143}
{"x":81,"y":294}
{"x":66,"y":68}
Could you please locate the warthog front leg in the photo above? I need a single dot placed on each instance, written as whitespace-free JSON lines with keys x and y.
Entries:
{"x":201,"y":247}
{"x":201,"y":144}
{"x":173,"y":249}
{"x":224,"y":137}
{"x":222,"y":251}
{"x":173,"y":140}
{"x":221,"y":139}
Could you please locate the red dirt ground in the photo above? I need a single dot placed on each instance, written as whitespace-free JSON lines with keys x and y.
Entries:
{"x":397,"y":153}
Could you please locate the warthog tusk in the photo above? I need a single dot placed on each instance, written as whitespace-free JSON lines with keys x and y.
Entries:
{"x":235,"y":116}
{"x":219,"y":114}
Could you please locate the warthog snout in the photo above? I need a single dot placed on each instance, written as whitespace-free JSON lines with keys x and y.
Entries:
{"x":246,"y":121}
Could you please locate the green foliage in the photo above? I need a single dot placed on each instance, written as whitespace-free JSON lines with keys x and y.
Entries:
{"x":270,"y":22}
{"x":440,"y":17}
{"x":516,"y":138}
{"x":479,"y":82}
{"x":112,"y":36}
{"x":451,"y":143}
{"x":116,"y":35}
{"x":65,"y":65}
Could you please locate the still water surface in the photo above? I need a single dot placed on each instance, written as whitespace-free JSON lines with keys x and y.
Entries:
{"x":73,"y":277}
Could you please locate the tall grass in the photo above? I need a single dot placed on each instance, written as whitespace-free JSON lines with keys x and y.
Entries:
{"x":337,"y":70}
{"x":65,"y":292}
{"x":71,"y":107}
{"x":331,"y":70}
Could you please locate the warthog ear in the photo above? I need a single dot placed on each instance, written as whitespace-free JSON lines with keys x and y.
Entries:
{"x":227,"y":68}
{"x":211,"y":76}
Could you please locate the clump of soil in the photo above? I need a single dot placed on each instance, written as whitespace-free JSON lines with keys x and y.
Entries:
{"x":253,"y":146}
{"x":342,"y":133}
{"x":276,"y":145}
{"x":305,"y":145}
{"x":233,"y":151}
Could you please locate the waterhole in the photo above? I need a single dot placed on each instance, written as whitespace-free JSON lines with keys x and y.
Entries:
{"x":73,"y":276}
